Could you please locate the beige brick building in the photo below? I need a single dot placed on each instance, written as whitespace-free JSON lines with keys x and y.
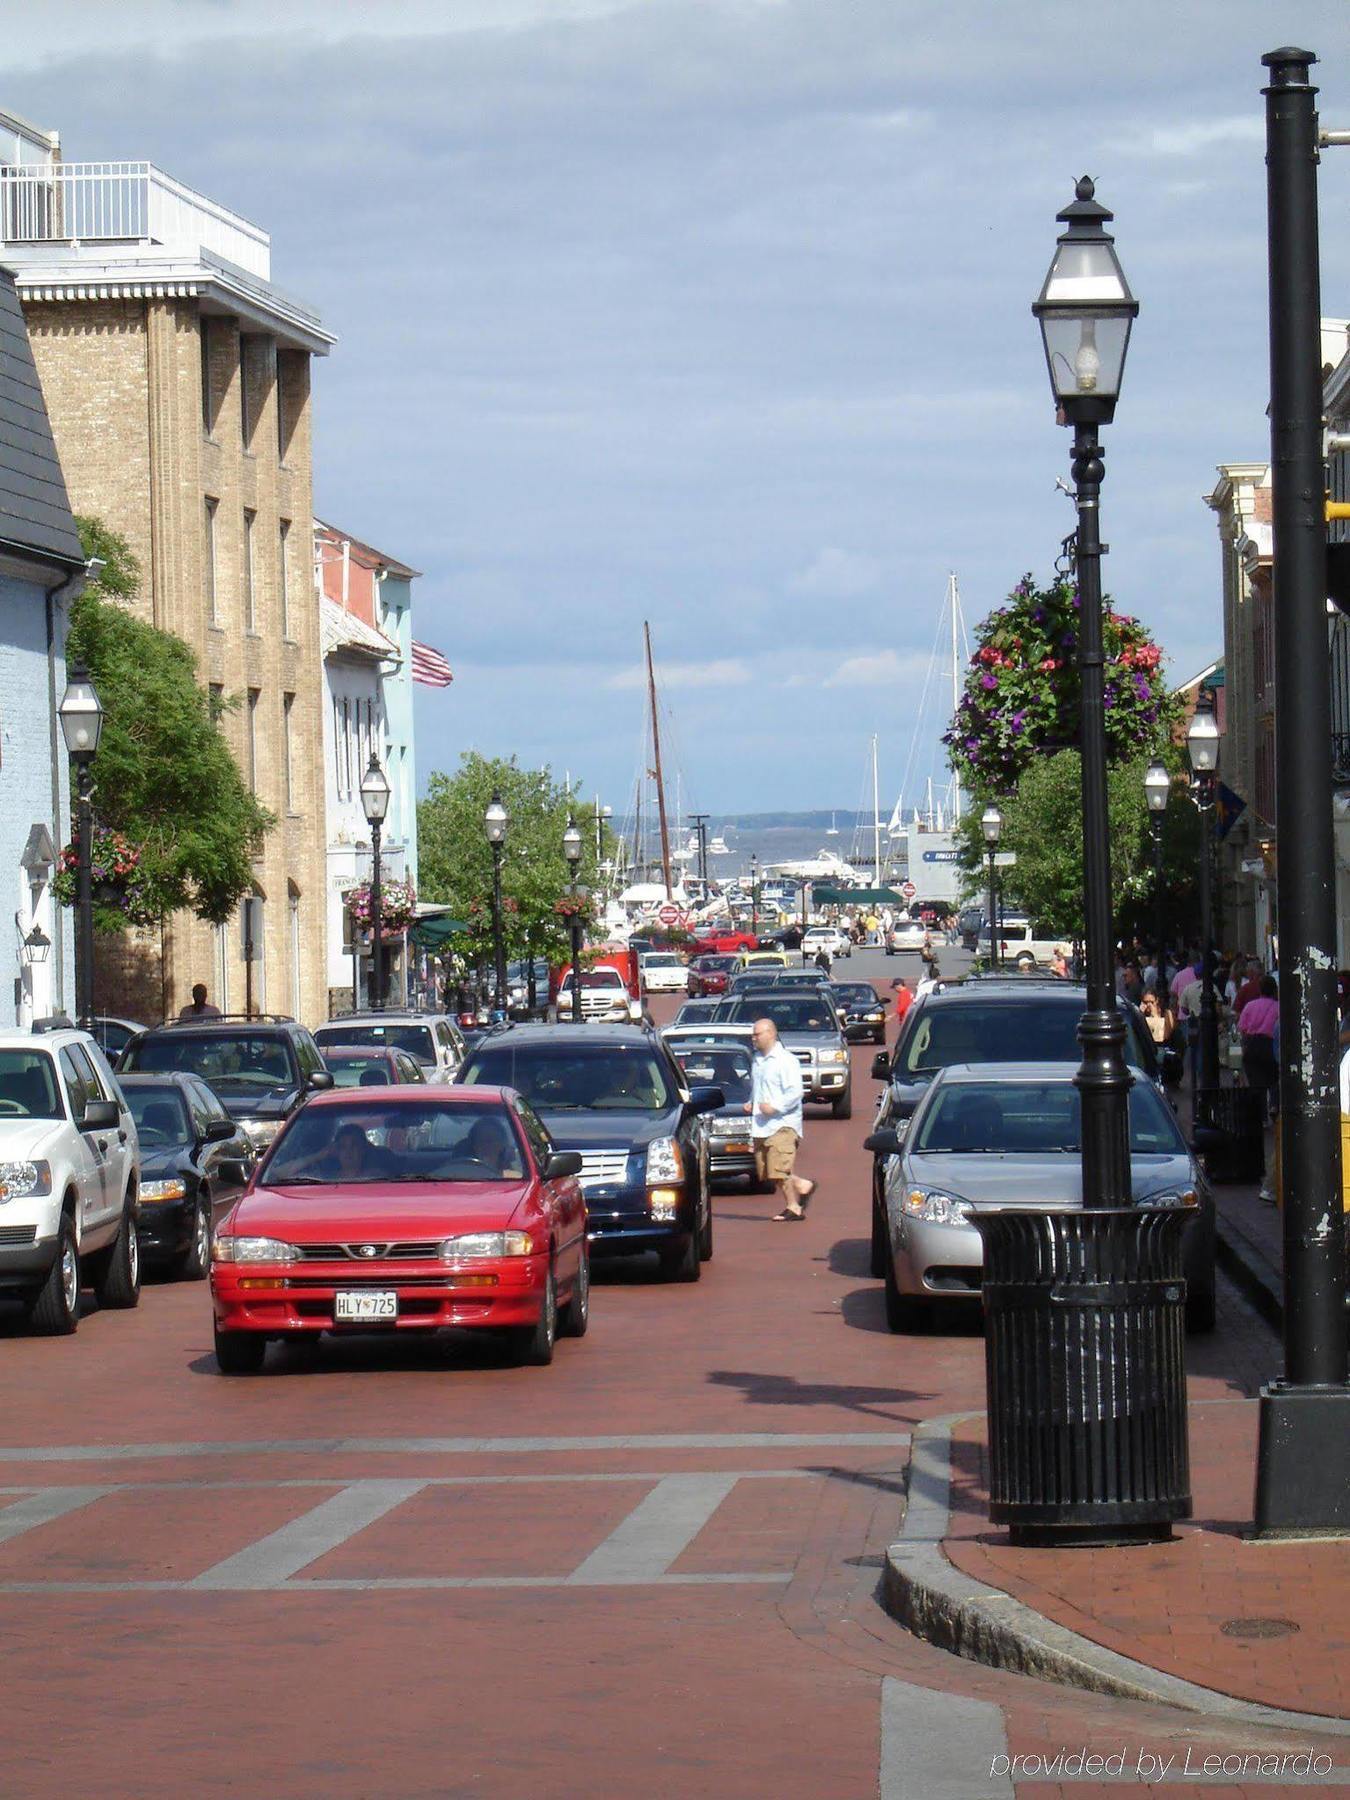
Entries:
{"x":178,"y":384}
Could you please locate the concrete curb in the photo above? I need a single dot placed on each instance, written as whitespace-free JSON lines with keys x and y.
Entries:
{"x":1250,"y":1270}
{"x":945,"y":1607}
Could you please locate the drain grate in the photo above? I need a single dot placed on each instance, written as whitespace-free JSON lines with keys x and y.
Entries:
{"x":1258,"y":1628}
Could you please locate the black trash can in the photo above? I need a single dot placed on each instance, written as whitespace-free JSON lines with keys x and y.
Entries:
{"x":1085,"y":1365}
{"x":1228,"y":1129}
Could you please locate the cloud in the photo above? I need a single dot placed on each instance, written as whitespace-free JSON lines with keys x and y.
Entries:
{"x":877,"y":668}
{"x":836,"y":575}
{"x":1197,"y":136}
{"x":725,"y":672}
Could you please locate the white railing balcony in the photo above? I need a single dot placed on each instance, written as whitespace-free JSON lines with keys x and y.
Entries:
{"x":123,"y":203}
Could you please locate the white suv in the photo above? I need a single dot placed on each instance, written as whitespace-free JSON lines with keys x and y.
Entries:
{"x":662,"y":972}
{"x":826,"y":937}
{"x":69,"y":1161}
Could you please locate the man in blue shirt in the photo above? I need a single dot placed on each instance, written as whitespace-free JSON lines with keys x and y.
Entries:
{"x":775,"y":1109}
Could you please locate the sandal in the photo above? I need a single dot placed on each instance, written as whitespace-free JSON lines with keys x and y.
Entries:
{"x":795,"y":1217}
{"x":804,"y":1200}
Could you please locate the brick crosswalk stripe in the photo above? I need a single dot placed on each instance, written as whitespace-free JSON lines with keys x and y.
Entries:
{"x":276,"y":1558}
{"x":644,"y":1545}
{"x":44,"y":1505}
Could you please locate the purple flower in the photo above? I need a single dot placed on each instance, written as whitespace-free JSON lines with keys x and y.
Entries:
{"x":1141,"y":687}
{"x":988,"y":682}
{"x":1017,"y":719}
{"x":972,"y":743}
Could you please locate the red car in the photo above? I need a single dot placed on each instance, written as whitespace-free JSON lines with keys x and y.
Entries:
{"x":404,"y":1209}
{"x":709,"y":975}
{"x":725,"y":941}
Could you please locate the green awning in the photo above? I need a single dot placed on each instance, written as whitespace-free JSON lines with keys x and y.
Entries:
{"x":435,"y":933}
{"x":826,"y":894}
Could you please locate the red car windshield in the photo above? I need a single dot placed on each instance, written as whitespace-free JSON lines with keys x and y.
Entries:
{"x":339,"y":1146}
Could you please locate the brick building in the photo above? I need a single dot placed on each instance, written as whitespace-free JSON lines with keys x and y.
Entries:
{"x":178,"y":385}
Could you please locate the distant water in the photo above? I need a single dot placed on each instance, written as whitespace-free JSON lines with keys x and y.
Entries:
{"x":790,"y":837}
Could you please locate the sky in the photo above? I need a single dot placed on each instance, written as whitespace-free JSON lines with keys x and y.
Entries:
{"x":716,"y":313}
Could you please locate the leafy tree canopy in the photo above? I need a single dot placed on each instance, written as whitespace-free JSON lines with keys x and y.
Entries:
{"x":1022,"y":693}
{"x":163,"y":775}
{"x":455,"y":859}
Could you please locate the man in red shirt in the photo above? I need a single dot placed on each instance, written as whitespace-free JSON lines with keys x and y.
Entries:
{"x":904,"y":999}
{"x":1250,"y":988}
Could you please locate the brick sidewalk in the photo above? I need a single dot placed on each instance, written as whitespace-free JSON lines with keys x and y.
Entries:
{"x":1251,"y":1246}
{"x":1266,"y":1622}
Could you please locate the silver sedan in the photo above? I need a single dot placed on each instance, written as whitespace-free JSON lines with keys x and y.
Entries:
{"x":989,"y":1135}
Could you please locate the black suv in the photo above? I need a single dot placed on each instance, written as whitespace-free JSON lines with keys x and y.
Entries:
{"x":261,"y":1068}
{"x":615,"y":1093}
{"x":992,"y":1019}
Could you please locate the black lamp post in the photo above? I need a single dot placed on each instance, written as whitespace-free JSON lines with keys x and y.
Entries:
{"x":572,"y":851}
{"x":81,"y":717}
{"x":991,"y":824}
{"x":1202,"y":746}
{"x":495,"y":821}
{"x":1303,"y":1458}
{"x":1157,"y":791}
{"x":375,"y":805}
{"x":1085,"y":311}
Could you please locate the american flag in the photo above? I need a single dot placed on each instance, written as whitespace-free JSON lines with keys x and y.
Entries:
{"x":430,"y":667}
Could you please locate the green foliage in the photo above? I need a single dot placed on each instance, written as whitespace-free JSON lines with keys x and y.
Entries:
{"x":1043,"y":827}
{"x":455,"y":859}
{"x":1022,"y":694}
{"x":163,"y":775}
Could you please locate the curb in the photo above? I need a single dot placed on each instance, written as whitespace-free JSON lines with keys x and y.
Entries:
{"x":1250,"y":1270}
{"x":940,"y":1604}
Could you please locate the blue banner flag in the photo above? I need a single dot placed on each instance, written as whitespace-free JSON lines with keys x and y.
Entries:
{"x":1228,"y":809}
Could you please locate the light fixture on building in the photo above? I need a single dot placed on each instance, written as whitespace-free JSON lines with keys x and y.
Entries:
{"x":36,"y":946}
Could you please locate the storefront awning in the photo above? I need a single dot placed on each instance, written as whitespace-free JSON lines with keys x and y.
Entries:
{"x":435,"y":933}
{"x":826,"y":894}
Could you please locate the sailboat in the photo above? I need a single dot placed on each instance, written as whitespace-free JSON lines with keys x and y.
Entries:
{"x":956,"y":653}
{"x":833,"y":830}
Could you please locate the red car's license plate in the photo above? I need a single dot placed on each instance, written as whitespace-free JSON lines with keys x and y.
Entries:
{"x":365,"y":1307}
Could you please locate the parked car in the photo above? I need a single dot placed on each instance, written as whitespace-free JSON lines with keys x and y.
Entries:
{"x":1018,"y":936}
{"x":518,"y":989}
{"x":260,"y":1069}
{"x":709,"y":974}
{"x":906,"y":934}
{"x":812,"y":1030}
{"x":69,"y":1157}
{"x":663,"y":972}
{"x":194,"y":1156}
{"x":371,"y":1065}
{"x":113,"y":1035}
{"x":615,"y":1094}
{"x":724,"y":940}
{"x":434,"y":1039}
{"x":863,"y":1010}
{"x":404,"y":1209}
{"x":1007,"y":1135}
{"x":726,"y":1065}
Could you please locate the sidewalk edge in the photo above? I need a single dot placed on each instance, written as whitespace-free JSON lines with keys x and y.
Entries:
{"x":1249,"y":1270}
{"x":940,"y":1604}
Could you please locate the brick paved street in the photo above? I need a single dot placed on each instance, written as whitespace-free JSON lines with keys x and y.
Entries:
{"x":368,"y":1564}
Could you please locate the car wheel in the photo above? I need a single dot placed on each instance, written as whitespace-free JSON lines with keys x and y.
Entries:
{"x":534,"y":1343}
{"x":842,"y":1108}
{"x":119,"y":1281}
{"x":903,"y":1311}
{"x":881,"y":1249}
{"x":681,"y":1262}
{"x":1201,"y":1309}
{"x":55,"y":1309}
{"x":196,"y":1259}
{"x":239,"y":1352}
{"x":705,"y":1235}
{"x":576,"y":1315}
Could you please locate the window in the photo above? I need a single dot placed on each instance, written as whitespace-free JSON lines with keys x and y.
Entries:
{"x":245,"y":398}
{"x":204,"y":339}
{"x":283,"y":581}
{"x":346,"y":783}
{"x":215,"y":700}
{"x":223,"y":967}
{"x":287,"y":702}
{"x":254,"y":695}
{"x":209,"y":561}
{"x":249,"y":573}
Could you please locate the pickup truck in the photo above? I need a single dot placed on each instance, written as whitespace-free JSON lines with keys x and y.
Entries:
{"x":1019,"y":935}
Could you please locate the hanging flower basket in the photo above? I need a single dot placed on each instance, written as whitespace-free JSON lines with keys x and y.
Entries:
{"x":398,"y":906}
{"x":118,"y":882}
{"x":575,"y":906}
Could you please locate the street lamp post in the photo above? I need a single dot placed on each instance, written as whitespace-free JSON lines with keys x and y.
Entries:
{"x":1157,"y":790}
{"x":1085,"y":310}
{"x":991,"y":824}
{"x":375,"y":805}
{"x":1303,"y":1456}
{"x":572,"y":851}
{"x":1202,"y":746}
{"x":495,"y":821}
{"x":81,"y":717}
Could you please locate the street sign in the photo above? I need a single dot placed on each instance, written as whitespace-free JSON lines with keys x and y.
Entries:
{"x":668,"y":914}
{"x":908,"y":889}
{"x":1004,"y":859}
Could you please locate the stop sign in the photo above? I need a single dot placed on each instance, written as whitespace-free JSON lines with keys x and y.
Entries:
{"x":909,"y":890}
{"x":668,"y":914}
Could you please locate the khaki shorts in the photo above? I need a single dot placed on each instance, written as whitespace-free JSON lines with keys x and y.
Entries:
{"x":774,"y":1156}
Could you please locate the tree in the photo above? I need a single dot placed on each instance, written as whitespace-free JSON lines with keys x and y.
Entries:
{"x":163,"y":776}
{"x":1022,"y":695}
{"x":455,"y":859}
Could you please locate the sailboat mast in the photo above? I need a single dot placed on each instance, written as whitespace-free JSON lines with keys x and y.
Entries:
{"x":656,"y":760}
{"x":954,"y":602}
{"x":876,"y":819}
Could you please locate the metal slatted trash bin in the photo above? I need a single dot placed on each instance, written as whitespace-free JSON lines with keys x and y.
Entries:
{"x":1085,"y":1366}
{"x":1229,"y":1127}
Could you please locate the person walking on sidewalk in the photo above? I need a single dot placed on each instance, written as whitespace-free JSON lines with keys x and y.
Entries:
{"x":775,"y":1109}
{"x":1256,"y":1028}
